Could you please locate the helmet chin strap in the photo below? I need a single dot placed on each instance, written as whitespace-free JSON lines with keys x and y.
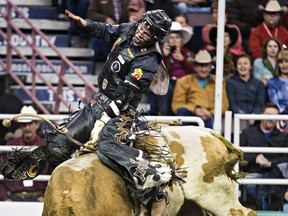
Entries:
{"x":134,"y":42}
{"x":146,"y":44}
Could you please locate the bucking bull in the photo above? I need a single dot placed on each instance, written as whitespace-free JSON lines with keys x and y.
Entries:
{"x":84,"y":186}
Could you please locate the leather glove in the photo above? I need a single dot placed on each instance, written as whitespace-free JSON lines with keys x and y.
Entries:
{"x":94,"y":135}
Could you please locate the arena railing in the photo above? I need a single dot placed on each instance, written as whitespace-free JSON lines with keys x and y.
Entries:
{"x":237,"y":130}
{"x":59,"y":118}
{"x":35,"y":208}
{"x":227,"y":134}
{"x":199,"y":121}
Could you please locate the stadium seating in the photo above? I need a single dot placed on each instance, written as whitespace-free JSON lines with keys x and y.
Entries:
{"x":44,"y":16}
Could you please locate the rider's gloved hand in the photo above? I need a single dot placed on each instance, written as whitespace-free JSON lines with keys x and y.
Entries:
{"x":94,"y":135}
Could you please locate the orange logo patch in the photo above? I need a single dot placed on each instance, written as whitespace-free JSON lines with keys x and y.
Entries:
{"x":137,"y":74}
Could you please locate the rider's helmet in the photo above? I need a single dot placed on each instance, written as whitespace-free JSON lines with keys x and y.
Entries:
{"x":157,"y":22}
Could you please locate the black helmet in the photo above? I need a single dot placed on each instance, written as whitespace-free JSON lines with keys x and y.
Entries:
{"x":157,"y":22}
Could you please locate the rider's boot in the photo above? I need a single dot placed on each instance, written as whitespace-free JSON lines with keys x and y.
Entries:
{"x":23,"y":165}
{"x":55,"y":148}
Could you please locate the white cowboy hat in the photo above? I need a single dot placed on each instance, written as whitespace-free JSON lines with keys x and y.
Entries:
{"x":203,"y":57}
{"x":177,"y":27}
{"x":273,"y":6}
{"x":27,"y":110}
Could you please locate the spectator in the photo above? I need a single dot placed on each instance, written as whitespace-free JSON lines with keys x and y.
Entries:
{"x":277,"y":86}
{"x":27,"y":190}
{"x":9,"y":104}
{"x":263,"y":68}
{"x":189,"y":6}
{"x":267,"y":29}
{"x":176,"y":59}
{"x":183,"y":20}
{"x":263,"y":134}
{"x":165,"y":5}
{"x":285,"y":17}
{"x":194,"y":94}
{"x":230,"y":38}
{"x":109,"y":11}
{"x":246,"y":15}
{"x":246,"y":94}
{"x":235,"y":47}
{"x":61,"y":6}
{"x":136,"y":9}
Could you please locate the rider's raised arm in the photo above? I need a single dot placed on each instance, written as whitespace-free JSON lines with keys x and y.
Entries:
{"x":105,"y":31}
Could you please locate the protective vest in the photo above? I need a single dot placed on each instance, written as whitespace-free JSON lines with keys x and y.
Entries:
{"x":118,"y":64}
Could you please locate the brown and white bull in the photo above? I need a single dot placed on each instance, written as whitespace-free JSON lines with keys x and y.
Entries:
{"x":83,"y":186}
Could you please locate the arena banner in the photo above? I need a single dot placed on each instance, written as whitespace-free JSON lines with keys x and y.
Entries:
{"x":58,"y":40}
{"x":21,"y":68}
{"x":48,"y":98}
{"x":46,"y":95}
{"x":34,"y":12}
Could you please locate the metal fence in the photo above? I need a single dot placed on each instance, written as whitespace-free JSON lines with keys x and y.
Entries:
{"x":237,"y":131}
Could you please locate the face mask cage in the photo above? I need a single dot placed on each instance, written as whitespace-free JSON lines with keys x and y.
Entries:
{"x":154,"y":37}
{"x":158,"y":23}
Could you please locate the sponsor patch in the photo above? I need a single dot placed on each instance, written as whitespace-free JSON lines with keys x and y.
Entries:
{"x":120,"y":58}
{"x":115,"y":44}
{"x":115,"y":66}
{"x":137,"y":74}
{"x":33,"y":170}
{"x":130,"y":53}
{"x":104,"y":84}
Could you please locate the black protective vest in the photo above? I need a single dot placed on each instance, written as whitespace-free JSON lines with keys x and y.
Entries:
{"x":117,"y":66}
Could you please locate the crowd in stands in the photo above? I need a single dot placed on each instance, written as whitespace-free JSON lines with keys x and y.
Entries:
{"x":255,"y":71}
{"x":264,"y":133}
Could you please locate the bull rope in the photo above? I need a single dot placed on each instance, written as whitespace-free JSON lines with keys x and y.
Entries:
{"x":64,"y":131}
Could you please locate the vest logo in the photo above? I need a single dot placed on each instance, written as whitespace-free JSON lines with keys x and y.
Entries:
{"x":121,"y":59}
{"x":104,"y":84}
{"x":115,"y":44}
{"x":130,"y":53}
{"x":137,"y":74}
{"x":115,"y":66}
